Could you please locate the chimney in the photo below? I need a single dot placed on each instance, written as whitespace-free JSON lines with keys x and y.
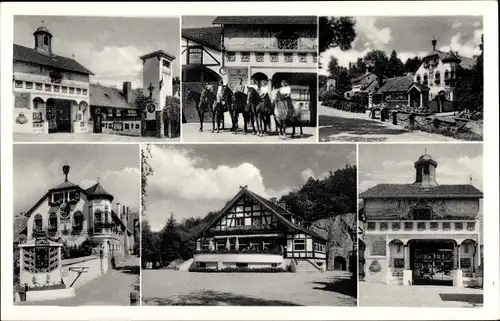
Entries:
{"x":434,"y":42}
{"x":118,"y":208}
{"x":274,"y":200}
{"x":470,"y":179}
{"x":127,"y":91}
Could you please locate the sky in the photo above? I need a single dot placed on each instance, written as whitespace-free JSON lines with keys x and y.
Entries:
{"x":109,"y":47}
{"x":191,"y":180}
{"x":37,"y":168}
{"x":456,"y":163}
{"x":410,"y":37}
{"x":197,"y":21}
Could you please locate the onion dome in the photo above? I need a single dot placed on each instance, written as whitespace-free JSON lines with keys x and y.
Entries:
{"x":425,"y":158}
{"x":98,"y":192}
{"x":451,"y":57}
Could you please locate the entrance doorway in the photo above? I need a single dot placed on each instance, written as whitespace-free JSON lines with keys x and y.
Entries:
{"x":431,"y":262}
{"x":339,"y":263}
{"x":59,"y":116}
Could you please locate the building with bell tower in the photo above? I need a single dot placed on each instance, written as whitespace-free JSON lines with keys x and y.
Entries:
{"x":157,"y":79}
{"x":422,"y":233}
{"x":43,"y":40}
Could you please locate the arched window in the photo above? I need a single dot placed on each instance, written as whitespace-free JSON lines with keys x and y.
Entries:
{"x":78,"y":221}
{"x":437,"y":78}
{"x":38,"y":223}
{"x":46,"y":40}
{"x":52,"y":222}
{"x":106,"y":217}
{"x":419,"y":79}
{"x":447,"y":77}
{"x":426,"y":79}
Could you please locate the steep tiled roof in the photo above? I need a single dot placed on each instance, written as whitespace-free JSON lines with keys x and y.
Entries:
{"x":157,"y":53}
{"x":97,"y":191}
{"x":109,"y":97}
{"x":22,"y":53}
{"x":209,"y":36}
{"x":420,"y":87}
{"x":465,"y":62}
{"x":371,"y":86}
{"x":359,"y":78}
{"x":396,"y":84}
{"x":266,"y":20}
{"x":64,"y":185}
{"x":410,"y":190}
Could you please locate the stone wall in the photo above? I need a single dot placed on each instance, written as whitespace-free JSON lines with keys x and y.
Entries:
{"x":377,"y":209}
{"x":122,"y":127}
{"x":336,"y":230}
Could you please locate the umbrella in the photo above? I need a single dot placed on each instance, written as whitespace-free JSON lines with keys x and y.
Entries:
{"x":237,"y":244}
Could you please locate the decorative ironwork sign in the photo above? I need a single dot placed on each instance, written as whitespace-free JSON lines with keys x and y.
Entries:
{"x":22,"y":100}
{"x":399,"y":263}
{"x":37,"y":117}
{"x":21,"y":119}
{"x":151,"y":108}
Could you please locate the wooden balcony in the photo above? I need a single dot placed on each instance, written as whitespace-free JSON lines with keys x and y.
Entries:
{"x":429,"y":226}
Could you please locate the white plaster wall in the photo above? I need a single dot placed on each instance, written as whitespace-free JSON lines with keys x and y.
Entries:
{"x":91,"y":262}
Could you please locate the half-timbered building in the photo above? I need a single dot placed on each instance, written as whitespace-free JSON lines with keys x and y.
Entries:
{"x":254,"y":232}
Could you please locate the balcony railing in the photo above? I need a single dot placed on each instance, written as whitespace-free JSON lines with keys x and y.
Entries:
{"x":275,"y":251}
{"x":462,"y":226}
{"x":244,"y":228}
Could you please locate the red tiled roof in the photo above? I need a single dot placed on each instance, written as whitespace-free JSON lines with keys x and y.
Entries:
{"x":109,"y":97}
{"x":410,"y":190}
{"x":266,"y":20}
{"x":22,"y":53}
{"x":396,"y":84}
{"x":210,"y":36}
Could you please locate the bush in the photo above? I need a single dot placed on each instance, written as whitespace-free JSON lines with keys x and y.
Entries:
{"x":82,"y":250}
{"x":171,"y":114}
{"x":237,"y":270}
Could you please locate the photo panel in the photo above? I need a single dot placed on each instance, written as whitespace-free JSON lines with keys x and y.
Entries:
{"x":76,"y":225}
{"x":249,"y":225}
{"x":249,"y":78}
{"x":96,"y":79}
{"x":421,"y":225}
{"x":400,"y":78}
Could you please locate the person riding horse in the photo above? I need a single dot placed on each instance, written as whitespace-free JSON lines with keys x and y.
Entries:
{"x":286,"y":93}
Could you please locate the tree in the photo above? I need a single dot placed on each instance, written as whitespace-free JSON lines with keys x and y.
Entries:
{"x":412,"y":64}
{"x":343,"y":81}
{"x":149,"y":244}
{"x":170,"y":241}
{"x":146,"y":170}
{"x":333,"y":66}
{"x":336,"y":32}
{"x":322,"y":198}
{"x":394,"y":67}
{"x":377,"y":60}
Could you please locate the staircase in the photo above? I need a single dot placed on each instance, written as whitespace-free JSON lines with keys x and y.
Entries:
{"x":305,"y":265}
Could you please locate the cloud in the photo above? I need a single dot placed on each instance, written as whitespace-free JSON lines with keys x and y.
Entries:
{"x":376,"y":37}
{"x":457,"y":25}
{"x":469,"y":48}
{"x":306,"y":174}
{"x":180,"y":175}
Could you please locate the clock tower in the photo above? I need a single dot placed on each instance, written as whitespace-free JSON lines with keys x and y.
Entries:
{"x":156,"y":80}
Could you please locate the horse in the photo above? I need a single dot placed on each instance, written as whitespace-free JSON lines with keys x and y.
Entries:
{"x":240,"y":106}
{"x":201,"y":108}
{"x":218,"y":108}
{"x":208,"y":101}
{"x":261,"y":109}
{"x":285,"y":113}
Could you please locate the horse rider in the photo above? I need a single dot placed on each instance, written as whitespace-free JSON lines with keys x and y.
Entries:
{"x":286,"y":92}
{"x":239,"y":87}
{"x":264,"y":89}
{"x":220,"y":91}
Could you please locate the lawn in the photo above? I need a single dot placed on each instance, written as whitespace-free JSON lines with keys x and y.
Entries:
{"x":354,"y":126}
{"x":169,"y":287}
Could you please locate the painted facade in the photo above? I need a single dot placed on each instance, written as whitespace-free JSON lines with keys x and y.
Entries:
{"x":50,"y":92}
{"x":68,"y":214}
{"x":422,"y":233}
{"x":253,"y":232}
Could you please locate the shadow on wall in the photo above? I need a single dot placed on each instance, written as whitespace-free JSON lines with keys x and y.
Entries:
{"x":213,"y":298}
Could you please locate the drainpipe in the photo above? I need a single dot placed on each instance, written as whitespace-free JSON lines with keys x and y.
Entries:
{"x":223,"y":51}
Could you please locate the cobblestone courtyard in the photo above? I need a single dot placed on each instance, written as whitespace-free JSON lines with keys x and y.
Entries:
{"x":88,"y":137}
{"x":169,"y":287}
{"x":338,"y":125}
{"x":383,"y":295}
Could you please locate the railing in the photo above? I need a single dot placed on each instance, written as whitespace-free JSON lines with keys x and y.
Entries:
{"x":45,"y":79}
{"x":254,"y":56}
{"x":405,"y":226}
{"x":242,"y":251}
{"x":244,"y":228}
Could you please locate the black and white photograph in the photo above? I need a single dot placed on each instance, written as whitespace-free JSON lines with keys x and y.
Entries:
{"x":421,"y":222}
{"x":249,"y":225}
{"x":249,"y":78}
{"x":96,"y":79}
{"x":401,"y":78}
{"x":76,"y":225}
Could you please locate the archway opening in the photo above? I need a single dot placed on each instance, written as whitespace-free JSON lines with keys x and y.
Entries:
{"x":60,"y":115}
{"x":339,"y":263}
{"x":432,"y":261}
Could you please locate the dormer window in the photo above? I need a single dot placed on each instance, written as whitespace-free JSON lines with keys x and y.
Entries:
{"x":419,"y":79}
{"x":38,"y":222}
{"x":52,"y":222}
{"x":166,"y":63}
{"x":57,"y":197}
{"x":98,"y":216}
{"x":72,"y":195}
{"x":426,"y":79}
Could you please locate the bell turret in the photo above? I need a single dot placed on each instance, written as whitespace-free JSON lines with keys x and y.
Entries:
{"x":425,"y":168}
{"x":43,"y":40}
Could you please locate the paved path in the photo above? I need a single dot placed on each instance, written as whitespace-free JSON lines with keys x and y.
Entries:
{"x":338,"y":125}
{"x":113,"y":288}
{"x":383,"y":295}
{"x":191,"y":133}
{"x":88,"y":137}
{"x":170,"y":287}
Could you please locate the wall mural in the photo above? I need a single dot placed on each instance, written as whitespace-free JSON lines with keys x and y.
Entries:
{"x":22,"y":100}
{"x":377,"y":244}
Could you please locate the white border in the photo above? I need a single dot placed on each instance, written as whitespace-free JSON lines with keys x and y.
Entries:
{"x":488,"y":9}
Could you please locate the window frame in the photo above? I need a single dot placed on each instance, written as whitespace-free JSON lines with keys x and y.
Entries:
{"x":300,"y":242}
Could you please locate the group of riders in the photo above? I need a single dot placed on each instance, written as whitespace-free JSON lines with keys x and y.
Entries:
{"x":255,"y":102}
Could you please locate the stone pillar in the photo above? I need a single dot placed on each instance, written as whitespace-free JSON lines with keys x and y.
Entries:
{"x":407,"y":272}
{"x":388,"y":274}
{"x":160,"y":125}
{"x":394,"y":118}
{"x":198,"y":245}
{"x":407,"y":257}
{"x":458,"y":257}
{"x":411,"y":121}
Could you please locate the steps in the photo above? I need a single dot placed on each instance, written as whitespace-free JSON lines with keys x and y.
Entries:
{"x":306,"y":266}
